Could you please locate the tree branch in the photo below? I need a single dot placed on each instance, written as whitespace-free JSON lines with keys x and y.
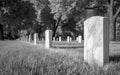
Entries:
{"x":57,"y":24}
{"x":117,"y":13}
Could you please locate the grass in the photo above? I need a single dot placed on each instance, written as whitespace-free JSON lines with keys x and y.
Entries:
{"x":18,"y":58}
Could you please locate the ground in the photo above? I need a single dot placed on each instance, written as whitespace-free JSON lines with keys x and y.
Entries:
{"x":20,"y":58}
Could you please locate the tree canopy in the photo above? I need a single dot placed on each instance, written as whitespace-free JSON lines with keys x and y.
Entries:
{"x":17,"y":14}
{"x":44,"y":14}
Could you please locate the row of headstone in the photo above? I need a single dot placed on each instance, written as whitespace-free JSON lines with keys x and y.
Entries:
{"x":96,"y":40}
{"x":69,"y":39}
{"x":48,"y":38}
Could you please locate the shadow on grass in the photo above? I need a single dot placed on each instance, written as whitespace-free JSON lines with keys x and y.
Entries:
{"x":114,"y":58}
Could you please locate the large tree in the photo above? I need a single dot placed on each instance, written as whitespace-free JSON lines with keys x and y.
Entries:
{"x":64,"y":11}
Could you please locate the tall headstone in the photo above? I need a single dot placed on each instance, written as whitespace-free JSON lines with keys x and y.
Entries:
{"x":79,"y":39}
{"x":43,"y":39}
{"x":59,"y":39}
{"x":48,"y":38}
{"x":35,"y":38}
{"x":29,"y":39}
{"x":53,"y":38}
{"x":96,"y":40}
{"x":68,"y":39}
{"x":76,"y":38}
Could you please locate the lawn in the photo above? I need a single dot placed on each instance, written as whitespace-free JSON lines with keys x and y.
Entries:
{"x":20,"y":58}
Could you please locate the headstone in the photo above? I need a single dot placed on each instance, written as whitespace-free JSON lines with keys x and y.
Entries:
{"x":48,"y":38}
{"x":59,"y":39}
{"x":35,"y":38}
{"x":79,"y":39}
{"x":42,"y":39}
{"x":76,"y":38}
{"x":29,"y":39}
{"x":68,"y":39}
{"x":96,"y":40}
{"x":53,"y":38}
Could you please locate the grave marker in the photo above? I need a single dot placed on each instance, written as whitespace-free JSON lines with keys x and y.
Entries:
{"x":96,"y":40}
{"x":59,"y":39}
{"x":53,"y":38}
{"x":79,"y":39}
{"x":68,"y":39}
{"x":48,"y":38}
{"x":35,"y":38}
{"x":29,"y":39}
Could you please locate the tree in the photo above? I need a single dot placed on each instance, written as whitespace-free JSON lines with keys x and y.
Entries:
{"x":114,"y":11}
{"x":17,"y":12}
{"x":63,"y":10}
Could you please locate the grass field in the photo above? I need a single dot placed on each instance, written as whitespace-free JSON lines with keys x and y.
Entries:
{"x":20,"y":58}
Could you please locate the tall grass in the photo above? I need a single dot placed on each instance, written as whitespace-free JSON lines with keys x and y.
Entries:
{"x":37,"y":63}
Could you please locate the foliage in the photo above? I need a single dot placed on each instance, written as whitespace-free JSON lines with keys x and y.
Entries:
{"x":17,"y":15}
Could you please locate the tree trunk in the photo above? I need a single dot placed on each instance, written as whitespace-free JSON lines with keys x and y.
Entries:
{"x":10,"y":34}
{"x":54,"y":31}
{"x":114,"y":21}
{"x":111,"y":25}
{"x":56,"y":26}
{"x":1,"y":32}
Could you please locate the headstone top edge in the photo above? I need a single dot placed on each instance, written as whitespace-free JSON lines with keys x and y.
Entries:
{"x":94,"y":17}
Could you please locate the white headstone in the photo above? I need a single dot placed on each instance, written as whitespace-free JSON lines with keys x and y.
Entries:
{"x":48,"y":38}
{"x":53,"y":38}
{"x":35,"y":38}
{"x":42,"y":39}
{"x":79,"y":39}
{"x":59,"y":39}
{"x":76,"y":38}
{"x":29,"y":39}
{"x":96,"y":40}
{"x":68,"y":39}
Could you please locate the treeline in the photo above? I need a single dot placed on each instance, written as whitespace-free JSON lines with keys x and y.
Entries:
{"x":64,"y":17}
